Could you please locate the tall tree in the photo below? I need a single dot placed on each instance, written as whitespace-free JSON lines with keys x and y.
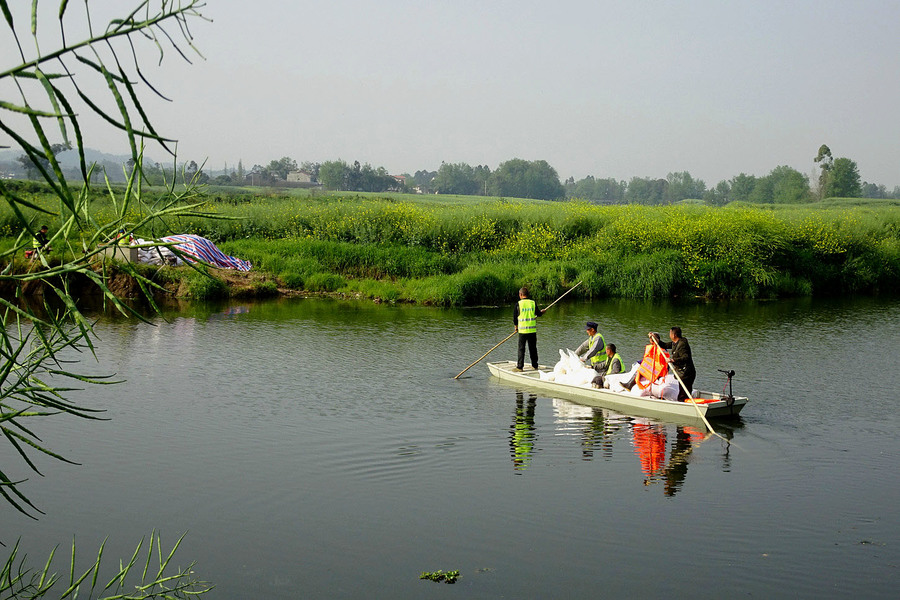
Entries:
{"x":36,"y":165}
{"x":843,"y":180}
{"x":783,"y":185}
{"x":719,"y":195}
{"x":681,"y":186}
{"x":312,"y":168}
{"x":279,"y":169}
{"x":519,"y":178}
{"x":872,"y":190}
{"x":424,"y":180}
{"x":334,"y":174}
{"x":643,"y":190}
{"x":825,"y":162}
{"x":456,"y":178}
{"x":483,"y":177}
{"x":742,"y":187}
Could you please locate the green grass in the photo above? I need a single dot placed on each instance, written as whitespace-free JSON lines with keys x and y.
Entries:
{"x":470,"y":250}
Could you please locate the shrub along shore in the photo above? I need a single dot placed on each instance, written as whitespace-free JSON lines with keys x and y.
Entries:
{"x":473,"y":251}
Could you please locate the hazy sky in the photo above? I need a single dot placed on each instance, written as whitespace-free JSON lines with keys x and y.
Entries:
{"x":610,"y":89}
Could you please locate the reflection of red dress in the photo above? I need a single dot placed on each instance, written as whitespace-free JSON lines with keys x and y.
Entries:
{"x":650,"y":446}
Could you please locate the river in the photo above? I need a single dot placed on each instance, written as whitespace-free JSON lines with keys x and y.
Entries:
{"x":322,"y":449}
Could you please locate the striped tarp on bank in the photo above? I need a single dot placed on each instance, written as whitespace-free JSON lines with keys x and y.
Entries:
{"x":203,"y":250}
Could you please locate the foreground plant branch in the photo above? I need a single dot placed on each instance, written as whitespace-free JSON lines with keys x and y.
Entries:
{"x":42,"y":97}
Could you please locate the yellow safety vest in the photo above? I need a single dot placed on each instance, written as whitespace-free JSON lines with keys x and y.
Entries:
{"x":612,"y":360}
{"x":527,"y":317}
{"x":599,"y":356}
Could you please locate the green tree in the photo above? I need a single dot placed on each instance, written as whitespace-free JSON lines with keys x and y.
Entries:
{"x":871,"y":190}
{"x":643,"y":190}
{"x":681,"y":186}
{"x":312,"y":168}
{"x":719,"y":195}
{"x":843,"y":180}
{"x":606,"y":191}
{"x":519,"y":178}
{"x":790,"y":186}
{"x":783,"y":185}
{"x":424,"y":180}
{"x":334,"y":174}
{"x":279,"y":169}
{"x":456,"y":178}
{"x":372,"y":179}
{"x":825,"y":161}
{"x":742,"y":187}
{"x":483,"y":177}
{"x":34,"y":165}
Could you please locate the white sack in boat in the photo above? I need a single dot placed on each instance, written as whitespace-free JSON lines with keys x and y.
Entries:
{"x":570,"y":370}
{"x":667,"y":388}
{"x":582,"y":377}
{"x":615,"y":381}
{"x":560,"y":367}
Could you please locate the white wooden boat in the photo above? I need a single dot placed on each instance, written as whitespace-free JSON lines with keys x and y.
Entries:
{"x":710,"y":404}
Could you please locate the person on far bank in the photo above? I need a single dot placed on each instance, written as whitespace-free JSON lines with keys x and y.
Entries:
{"x":591,"y":349}
{"x":525,"y":319}
{"x":610,"y":366}
{"x":40,"y":244}
{"x":681,"y":361}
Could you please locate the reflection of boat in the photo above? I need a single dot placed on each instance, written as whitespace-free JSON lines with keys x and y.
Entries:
{"x":711,"y":405}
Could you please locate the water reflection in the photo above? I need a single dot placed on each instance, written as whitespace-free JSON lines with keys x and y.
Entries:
{"x":522,"y":432}
{"x":230,"y":311}
{"x":663,"y":449}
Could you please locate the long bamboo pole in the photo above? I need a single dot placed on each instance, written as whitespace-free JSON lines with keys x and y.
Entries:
{"x":514,"y":333}
{"x":689,"y":395}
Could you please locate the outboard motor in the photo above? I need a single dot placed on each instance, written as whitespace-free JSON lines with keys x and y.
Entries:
{"x":729,"y":399}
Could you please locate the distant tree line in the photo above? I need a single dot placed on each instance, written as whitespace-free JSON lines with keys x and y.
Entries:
{"x":517,"y":178}
{"x":837,"y":178}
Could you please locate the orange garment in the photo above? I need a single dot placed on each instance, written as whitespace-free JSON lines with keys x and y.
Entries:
{"x":652,"y":367}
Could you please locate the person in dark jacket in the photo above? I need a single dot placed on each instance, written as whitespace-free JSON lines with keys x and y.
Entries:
{"x":681,"y":361}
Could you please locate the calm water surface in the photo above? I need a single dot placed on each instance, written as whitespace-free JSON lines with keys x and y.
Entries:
{"x":322,"y":449}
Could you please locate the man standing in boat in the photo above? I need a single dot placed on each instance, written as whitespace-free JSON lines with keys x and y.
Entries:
{"x":592,"y":349}
{"x":681,"y":361}
{"x":525,"y":319}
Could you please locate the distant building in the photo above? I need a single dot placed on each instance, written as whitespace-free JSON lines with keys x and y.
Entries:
{"x":299,"y":177}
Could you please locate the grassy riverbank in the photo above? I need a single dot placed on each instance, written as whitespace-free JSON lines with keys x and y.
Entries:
{"x":465,"y":250}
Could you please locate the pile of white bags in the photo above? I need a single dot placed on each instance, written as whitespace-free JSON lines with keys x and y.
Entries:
{"x":570,"y":370}
{"x":667,"y":387}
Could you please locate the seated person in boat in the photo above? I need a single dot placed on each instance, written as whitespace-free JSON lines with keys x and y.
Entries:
{"x":611,"y":366}
{"x":591,"y":349}
{"x":681,"y":361}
